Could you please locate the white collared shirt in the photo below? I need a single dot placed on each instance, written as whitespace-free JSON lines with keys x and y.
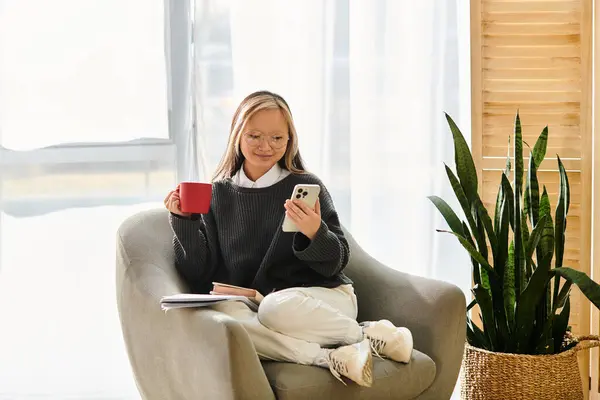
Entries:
{"x":271,"y":177}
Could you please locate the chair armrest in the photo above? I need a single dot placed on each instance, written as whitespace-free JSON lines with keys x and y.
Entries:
{"x":434,"y":311}
{"x":180,"y":354}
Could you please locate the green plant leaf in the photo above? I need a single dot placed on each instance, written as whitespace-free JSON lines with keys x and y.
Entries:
{"x":472,"y":339}
{"x":501,"y":254}
{"x":588,"y":287}
{"x":510,"y":196}
{"x":556,"y":325}
{"x":508,"y":166}
{"x":545,"y":343}
{"x":525,"y":235}
{"x":561,"y":224}
{"x":545,"y":251}
{"x":485,"y":279}
{"x":508,"y":289}
{"x":559,"y":301}
{"x":476,"y":337}
{"x":518,"y":156}
{"x":484,"y":301}
{"x":539,"y":150}
{"x":561,"y":214}
{"x":471,"y":304}
{"x":533,"y":192}
{"x":465,"y":205}
{"x":498,"y":209}
{"x":560,"y":325}
{"x":526,"y":205}
{"x":487,"y":223}
{"x":566,"y":176}
{"x":534,"y":238}
{"x":476,"y":269}
{"x":526,"y":308}
{"x":546,"y":245}
{"x":519,"y":259}
{"x":518,"y":183}
{"x":503,"y":329}
{"x":482,"y":247}
{"x":449,"y":215}
{"x":548,"y":309}
{"x":465,"y":167}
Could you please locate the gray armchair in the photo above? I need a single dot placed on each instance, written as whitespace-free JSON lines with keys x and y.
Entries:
{"x":203,"y":354}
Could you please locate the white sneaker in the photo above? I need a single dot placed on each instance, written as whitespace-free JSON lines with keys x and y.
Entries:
{"x":389,"y":341}
{"x":353,"y":361}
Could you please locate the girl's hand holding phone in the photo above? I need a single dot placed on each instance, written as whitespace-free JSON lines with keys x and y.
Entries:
{"x":306,"y":219}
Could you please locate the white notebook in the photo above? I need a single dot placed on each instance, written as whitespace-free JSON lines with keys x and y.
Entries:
{"x":189,"y":300}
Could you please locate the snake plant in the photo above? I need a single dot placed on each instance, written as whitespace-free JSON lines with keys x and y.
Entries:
{"x":520,"y":285}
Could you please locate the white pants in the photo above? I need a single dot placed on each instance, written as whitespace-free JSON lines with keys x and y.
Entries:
{"x":294,"y":324}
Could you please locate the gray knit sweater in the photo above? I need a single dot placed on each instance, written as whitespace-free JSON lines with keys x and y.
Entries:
{"x":240,"y":241}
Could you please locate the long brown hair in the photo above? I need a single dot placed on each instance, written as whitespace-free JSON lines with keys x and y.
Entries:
{"x":233,"y":158}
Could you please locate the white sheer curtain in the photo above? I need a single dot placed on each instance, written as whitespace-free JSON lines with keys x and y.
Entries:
{"x":85,"y":141}
{"x":368,"y":82}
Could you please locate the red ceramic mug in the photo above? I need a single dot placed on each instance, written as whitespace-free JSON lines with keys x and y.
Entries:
{"x":194,"y":197}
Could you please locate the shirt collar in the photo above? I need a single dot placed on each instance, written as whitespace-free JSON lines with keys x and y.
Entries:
{"x":271,"y":177}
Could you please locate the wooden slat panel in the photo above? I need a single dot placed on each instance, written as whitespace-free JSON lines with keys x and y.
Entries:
{"x":561,"y":74}
{"x":532,"y":109}
{"x":499,"y":150}
{"x":529,"y":62}
{"x":532,"y":51}
{"x":531,"y":97}
{"x":499,"y":28}
{"x":535,"y":56}
{"x":527,"y":85}
{"x":571,"y":17}
{"x":507,"y":128}
{"x":586,"y":170}
{"x":530,"y":6}
{"x":537,"y":121}
{"x":549,"y":164}
{"x":546,"y":177}
{"x":551,"y":179}
{"x":477,"y":55}
{"x":530,"y":40}
{"x":553,"y":142}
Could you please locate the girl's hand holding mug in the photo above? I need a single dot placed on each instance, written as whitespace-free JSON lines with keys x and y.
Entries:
{"x":173,"y":203}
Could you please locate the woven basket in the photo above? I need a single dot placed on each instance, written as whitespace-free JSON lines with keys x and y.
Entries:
{"x":487,"y":375}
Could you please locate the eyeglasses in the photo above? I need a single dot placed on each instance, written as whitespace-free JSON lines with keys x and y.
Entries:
{"x":275,"y":141}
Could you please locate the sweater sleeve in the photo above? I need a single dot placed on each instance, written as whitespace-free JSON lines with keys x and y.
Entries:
{"x":328,"y":252}
{"x":192,"y":255}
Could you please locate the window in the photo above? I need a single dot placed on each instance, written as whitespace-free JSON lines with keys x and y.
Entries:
{"x":85,"y":142}
{"x":83,"y":104}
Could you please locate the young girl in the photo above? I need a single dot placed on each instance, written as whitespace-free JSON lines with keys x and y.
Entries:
{"x":308,"y":315}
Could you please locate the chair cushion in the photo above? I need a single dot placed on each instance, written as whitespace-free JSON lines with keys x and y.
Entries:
{"x":391,"y":380}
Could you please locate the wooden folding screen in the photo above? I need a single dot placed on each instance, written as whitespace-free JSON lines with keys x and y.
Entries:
{"x":535,"y":56}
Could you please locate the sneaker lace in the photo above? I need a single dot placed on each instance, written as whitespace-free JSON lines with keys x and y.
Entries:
{"x":338,"y":368}
{"x":377,"y":345}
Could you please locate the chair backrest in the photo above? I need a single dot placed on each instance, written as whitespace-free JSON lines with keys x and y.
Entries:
{"x":359,"y":258}
{"x":147,"y":235}
{"x":365,"y":272}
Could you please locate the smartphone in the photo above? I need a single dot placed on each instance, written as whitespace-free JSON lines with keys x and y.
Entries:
{"x":306,"y":193}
